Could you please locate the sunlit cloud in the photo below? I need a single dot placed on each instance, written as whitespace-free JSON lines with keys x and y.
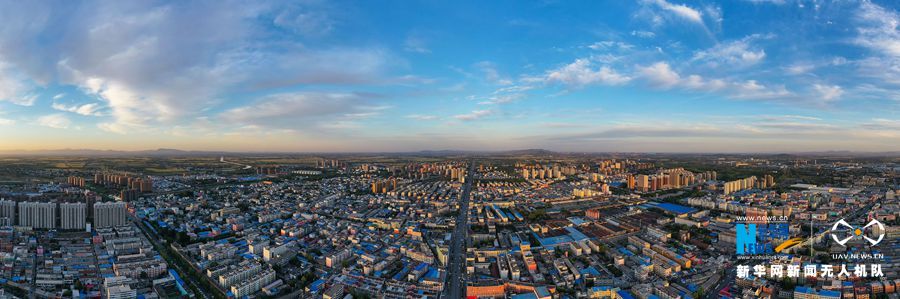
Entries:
{"x":56,"y":121}
{"x":474,"y":115}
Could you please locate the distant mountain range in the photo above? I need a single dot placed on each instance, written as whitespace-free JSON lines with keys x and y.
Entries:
{"x":167,"y":152}
{"x":163,"y":152}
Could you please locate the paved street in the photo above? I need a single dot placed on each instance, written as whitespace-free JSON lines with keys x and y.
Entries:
{"x":456,"y":285}
{"x":160,"y":247}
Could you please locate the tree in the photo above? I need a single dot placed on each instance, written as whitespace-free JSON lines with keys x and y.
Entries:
{"x":244,"y":206}
{"x":615,"y":271}
{"x":359,"y":295}
{"x":183,"y":238}
{"x":699,"y":292}
{"x":296,"y":261}
{"x":787,"y":283}
{"x":538,"y":214}
{"x":306,"y":279}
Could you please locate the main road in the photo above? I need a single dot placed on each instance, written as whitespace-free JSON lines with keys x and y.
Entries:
{"x":455,"y":288}
{"x":154,"y":238}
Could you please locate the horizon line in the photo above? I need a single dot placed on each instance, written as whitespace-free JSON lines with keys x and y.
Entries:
{"x":421,"y":151}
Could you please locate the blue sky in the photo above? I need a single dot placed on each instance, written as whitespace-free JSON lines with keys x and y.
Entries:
{"x":653,"y":75}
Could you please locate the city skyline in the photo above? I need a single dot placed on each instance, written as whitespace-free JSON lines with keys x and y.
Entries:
{"x":319,"y":76}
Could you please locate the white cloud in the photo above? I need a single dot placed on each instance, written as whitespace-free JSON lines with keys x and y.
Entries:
{"x":680,"y":10}
{"x":90,"y":109}
{"x":305,"y":20}
{"x":6,"y":122}
{"x":139,"y":57}
{"x":729,"y":135}
{"x":878,"y":32}
{"x":776,"y":2}
{"x":339,"y":125}
{"x":9,"y":89}
{"x":731,"y":54}
{"x":751,"y":89}
{"x":312,"y":112}
{"x":790,"y":117}
{"x":631,"y":131}
{"x":502,"y":99}
{"x":643,"y":34}
{"x":159,"y":63}
{"x":697,"y":82}
{"x":884,"y":69}
{"x":581,"y":73}
{"x":56,"y":121}
{"x":491,"y":74}
{"x":870,"y":91}
{"x":294,"y":106}
{"x":605,"y":45}
{"x":515,"y":88}
{"x":415,"y":43}
{"x":474,"y":115}
{"x":881,"y":32}
{"x":715,"y":14}
{"x":796,"y":126}
{"x":129,"y":108}
{"x":422,"y":117}
{"x":660,"y":74}
{"x":13,"y":87}
{"x":24,"y":100}
{"x":828,"y":92}
{"x":564,"y":125}
{"x":800,"y":68}
{"x":117,"y":128}
{"x":883,"y":124}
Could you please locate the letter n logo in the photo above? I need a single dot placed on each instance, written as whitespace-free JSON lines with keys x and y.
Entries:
{"x":745,"y":238}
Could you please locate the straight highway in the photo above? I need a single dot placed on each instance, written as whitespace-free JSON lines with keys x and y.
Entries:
{"x":456,"y":286}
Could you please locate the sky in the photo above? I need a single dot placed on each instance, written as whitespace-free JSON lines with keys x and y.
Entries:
{"x":583,"y":76}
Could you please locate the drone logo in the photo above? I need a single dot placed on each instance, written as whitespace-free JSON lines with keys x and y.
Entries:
{"x":856,"y":232}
